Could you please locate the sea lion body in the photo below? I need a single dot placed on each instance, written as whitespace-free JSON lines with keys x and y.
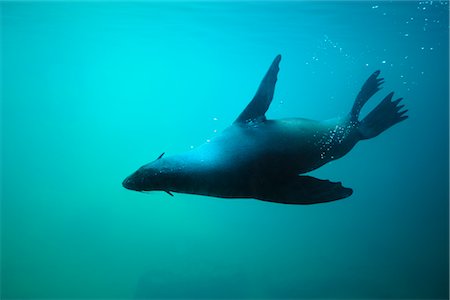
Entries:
{"x":264,"y":159}
{"x":243,"y":160}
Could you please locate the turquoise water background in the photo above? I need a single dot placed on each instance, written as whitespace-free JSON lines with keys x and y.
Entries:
{"x":93,"y":90}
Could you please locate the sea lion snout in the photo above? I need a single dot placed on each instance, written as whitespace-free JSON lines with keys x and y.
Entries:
{"x":145,"y":179}
{"x":133,"y":182}
{"x":128,"y":183}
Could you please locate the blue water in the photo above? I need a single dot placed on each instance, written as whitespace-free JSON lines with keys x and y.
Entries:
{"x":93,"y":90}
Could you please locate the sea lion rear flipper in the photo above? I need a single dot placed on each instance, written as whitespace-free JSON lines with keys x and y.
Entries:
{"x":386,"y":114}
{"x":306,"y":190}
{"x":257,"y":108}
{"x":370,"y":87}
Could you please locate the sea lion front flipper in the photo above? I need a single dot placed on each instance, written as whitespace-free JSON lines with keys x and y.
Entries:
{"x":305,"y":190}
{"x":260,"y":103}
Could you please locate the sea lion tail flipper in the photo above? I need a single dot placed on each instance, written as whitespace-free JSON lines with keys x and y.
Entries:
{"x":383,"y":116}
{"x":306,"y":190}
{"x":369,"y":88}
{"x":260,"y":103}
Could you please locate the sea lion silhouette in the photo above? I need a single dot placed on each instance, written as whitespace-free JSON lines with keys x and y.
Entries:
{"x":263,"y":159}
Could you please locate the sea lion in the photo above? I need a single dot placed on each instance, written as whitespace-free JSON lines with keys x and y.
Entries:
{"x":263,"y":159}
